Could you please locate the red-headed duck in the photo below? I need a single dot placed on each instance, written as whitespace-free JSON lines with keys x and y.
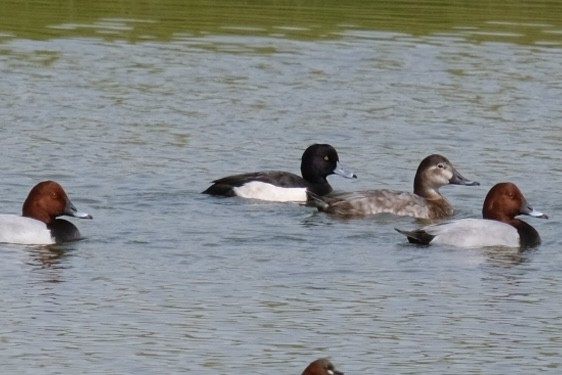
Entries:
{"x":38,"y":224}
{"x":499,"y":227}
{"x":426,"y":202}
{"x":318,"y":162}
{"x":321,"y":366}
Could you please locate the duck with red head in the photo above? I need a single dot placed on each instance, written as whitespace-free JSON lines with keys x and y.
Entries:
{"x":499,"y":227}
{"x":39,"y":223}
{"x":321,"y":366}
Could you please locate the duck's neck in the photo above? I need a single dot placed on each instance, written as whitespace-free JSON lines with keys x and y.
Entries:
{"x":440,"y":207}
{"x":313,"y":178}
{"x":40,"y":215}
{"x":528,"y":236}
{"x":438,"y":204}
{"x":425,"y":191}
{"x":317,"y":184}
{"x":321,"y":188}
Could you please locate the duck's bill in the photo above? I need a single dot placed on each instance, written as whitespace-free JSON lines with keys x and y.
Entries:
{"x":70,"y":210}
{"x":458,"y":179}
{"x":341,"y":171}
{"x":528,"y":210}
{"x":82,"y":215}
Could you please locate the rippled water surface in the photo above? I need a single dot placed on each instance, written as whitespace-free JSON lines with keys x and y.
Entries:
{"x":135,"y":108}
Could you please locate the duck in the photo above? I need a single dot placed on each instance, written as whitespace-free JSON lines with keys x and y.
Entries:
{"x":426,"y":202}
{"x":321,"y":366}
{"x":318,"y":162}
{"x":39,"y":223}
{"x":497,"y":228}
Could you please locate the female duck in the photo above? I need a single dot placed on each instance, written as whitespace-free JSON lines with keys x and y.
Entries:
{"x":498,"y":227}
{"x":426,"y":202}
{"x":38,"y":224}
{"x":321,"y":366}
{"x":318,"y":161}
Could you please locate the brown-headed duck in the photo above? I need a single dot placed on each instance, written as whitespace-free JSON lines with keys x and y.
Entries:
{"x":38,"y":224}
{"x":321,"y":366}
{"x":426,"y":202}
{"x":499,"y":227}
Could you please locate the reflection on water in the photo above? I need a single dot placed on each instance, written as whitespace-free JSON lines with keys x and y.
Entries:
{"x":517,"y":21}
{"x":508,"y":257}
{"x":46,"y":257}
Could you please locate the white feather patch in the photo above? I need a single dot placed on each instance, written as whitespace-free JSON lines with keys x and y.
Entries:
{"x":24,"y":230}
{"x":272,"y":193}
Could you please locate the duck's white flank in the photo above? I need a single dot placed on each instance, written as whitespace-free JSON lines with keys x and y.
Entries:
{"x":269,"y":192}
{"x":473,"y":233}
{"x":24,"y":230}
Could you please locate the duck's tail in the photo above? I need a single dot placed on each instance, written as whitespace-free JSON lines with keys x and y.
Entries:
{"x":417,"y":236}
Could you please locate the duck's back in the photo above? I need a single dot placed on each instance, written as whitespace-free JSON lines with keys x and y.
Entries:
{"x":226,"y":186}
{"x":371,"y":202}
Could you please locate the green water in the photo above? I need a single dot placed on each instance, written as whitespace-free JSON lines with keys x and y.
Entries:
{"x":522,"y":22}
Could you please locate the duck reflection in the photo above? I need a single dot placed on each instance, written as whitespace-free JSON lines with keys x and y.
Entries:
{"x":47,"y":257}
{"x":508,"y":257}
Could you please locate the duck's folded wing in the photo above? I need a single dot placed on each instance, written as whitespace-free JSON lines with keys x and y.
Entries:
{"x":370,"y":202}
{"x":224,"y":186}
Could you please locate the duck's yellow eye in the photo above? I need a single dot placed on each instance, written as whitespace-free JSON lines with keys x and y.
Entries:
{"x":327,"y":158}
